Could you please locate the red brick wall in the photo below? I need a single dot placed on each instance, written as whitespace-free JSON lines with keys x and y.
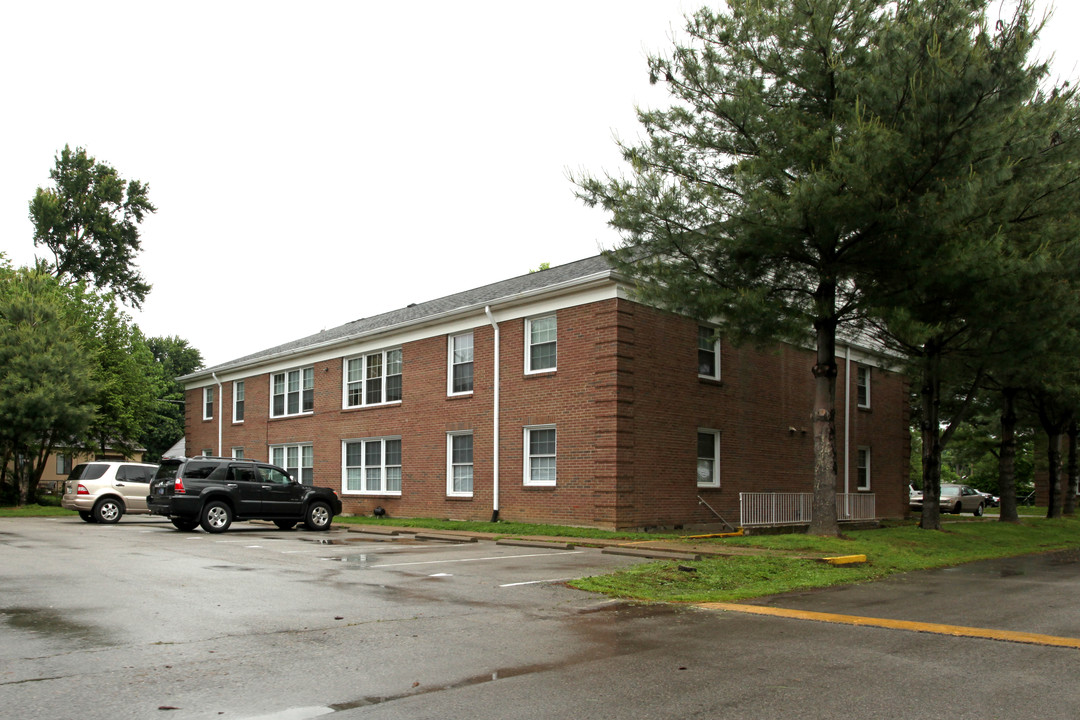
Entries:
{"x":626,"y":402}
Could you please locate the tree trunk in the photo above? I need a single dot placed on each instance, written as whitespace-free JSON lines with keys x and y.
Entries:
{"x":1073,"y":479}
{"x":1053,"y":461}
{"x":824,"y":521}
{"x":1007,"y":458}
{"x":931,"y":437}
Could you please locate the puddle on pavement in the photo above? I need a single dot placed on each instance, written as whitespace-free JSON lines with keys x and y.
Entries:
{"x":45,"y":622}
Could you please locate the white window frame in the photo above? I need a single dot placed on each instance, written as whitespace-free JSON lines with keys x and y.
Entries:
{"x":702,"y":329}
{"x":862,"y":471}
{"x":208,"y":403}
{"x":529,"y":370}
{"x":862,"y":381}
{"x":714,"y":480}
{"x":238,"y":453}
{"x":363,"y":381}
{"x":451,"y":465}
{"x":528,"y":457}
{"x":238,"y":401}
{"x":305,"y":460}
{"x":304,"y":373}
{"x":450,"y":364}
{"x":363,"y":467}
{"x":208,"y":452}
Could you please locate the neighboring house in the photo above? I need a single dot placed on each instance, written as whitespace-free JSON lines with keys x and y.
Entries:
{"x":60,"y":463}
{"x":552,"y":397}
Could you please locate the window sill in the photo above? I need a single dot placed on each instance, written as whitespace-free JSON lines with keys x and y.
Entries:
{"x":459,"y":497}
{"x":355,"y":408}
{"x":458,"y":396}
{"x":294,"y":415}
{"x":706,"y":380}
{"x":364,"y":493}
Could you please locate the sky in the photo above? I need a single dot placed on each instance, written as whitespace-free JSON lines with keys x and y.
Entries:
{"x":315,"y":163}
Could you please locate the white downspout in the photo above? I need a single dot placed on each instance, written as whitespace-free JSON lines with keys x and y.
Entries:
{"x":847,"y":418}
{"x":495,"y":454}
{"x":219,"y":398}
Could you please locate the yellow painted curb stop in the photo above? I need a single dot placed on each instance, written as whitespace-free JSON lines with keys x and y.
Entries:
{"x":845,"y":559}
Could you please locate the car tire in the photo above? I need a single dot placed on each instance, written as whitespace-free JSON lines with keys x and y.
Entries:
{"x":958,"y":509}
{"x":108,"y":511}
{"x":979,"y":510}
{"x":87,"y":516}
{"x":285,"y":524}
{"x":216,"y":517}
{"x":318,"y":516}
{"x":185,"y":525}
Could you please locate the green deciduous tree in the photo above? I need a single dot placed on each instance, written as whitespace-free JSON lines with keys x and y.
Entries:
{"x":175,"y":357}
{"x":90,"y":221}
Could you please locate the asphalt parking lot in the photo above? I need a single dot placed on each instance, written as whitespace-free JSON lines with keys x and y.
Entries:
{"x":138,"y":620}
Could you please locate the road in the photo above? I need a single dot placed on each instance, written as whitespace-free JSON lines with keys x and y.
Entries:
{"x":137,"y":620}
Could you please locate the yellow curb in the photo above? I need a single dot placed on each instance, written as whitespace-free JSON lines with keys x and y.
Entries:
{"x":737,"y":533}
{"x":845,"y":559}
{"x":953,"y":630}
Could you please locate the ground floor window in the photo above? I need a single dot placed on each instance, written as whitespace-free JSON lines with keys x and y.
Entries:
{"x":298,"y":459}
{"x":459,"y":464}
{"x":863,"y":471}
{"x":708,"y":458}
{"x":372,"y":465}
{"x":540,"y":455}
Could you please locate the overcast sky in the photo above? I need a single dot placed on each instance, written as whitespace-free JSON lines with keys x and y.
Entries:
{"x":314,"y":163}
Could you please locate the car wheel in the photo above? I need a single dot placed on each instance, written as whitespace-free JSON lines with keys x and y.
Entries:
{"x":216,"y":517}
{"x":87,"y":516}
{"x":957,"y":510}
{"x":108,"y":511}
{"x":285,"y":524}
{"x":979,"y":510}
{"x":318,"y":516}
{"x":185,"y":525}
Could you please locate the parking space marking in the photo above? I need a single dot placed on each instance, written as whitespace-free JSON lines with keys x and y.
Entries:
{"x":936,"y":628}
{"x":538,"y":582}
{"x":461,"y":560}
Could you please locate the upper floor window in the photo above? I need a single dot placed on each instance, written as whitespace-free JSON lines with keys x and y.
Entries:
{"x":540,"y":455}
{"x":708,"y":458}
{"x":460,"y":379}
{"x":238,"y":401}
{"x":373,"y":379}
{"x":459,"y":463}
{"x":372,"y":465}
{"x":862,"y":386}
{"x":208,"y":403}
{"x":708,"y":353}
{"x":292,"y":392}
{"x":863,"y":471}
{"x":540,"y":344}
{"x":298,"y":459}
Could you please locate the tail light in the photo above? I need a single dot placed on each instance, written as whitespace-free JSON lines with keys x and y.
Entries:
{"x":82,"y":490}
{"x":178,"y":485}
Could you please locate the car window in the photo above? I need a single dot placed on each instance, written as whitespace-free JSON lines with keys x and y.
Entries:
{"x":273,"y":475}
{"x":134,"y":473}
{"x":167,"y":471}
{"x":243,"y":473}
{"x":88,"y":471}
{"x":196,"y":470}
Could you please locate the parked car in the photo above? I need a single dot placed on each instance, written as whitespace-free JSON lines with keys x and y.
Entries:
{"x":955,"y":498}
{"x":212,"y":492}
{"x":104,"y":491}
{"x":989,"y":500}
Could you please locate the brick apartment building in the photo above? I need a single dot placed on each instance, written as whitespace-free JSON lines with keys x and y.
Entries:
{"x":551,"y":397}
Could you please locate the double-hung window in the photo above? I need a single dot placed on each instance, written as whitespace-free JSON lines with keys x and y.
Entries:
{"x":708,"y":353}
{"x":862,"y":386}
{"x":238,"y":401}
{"x":208,"y":403}
{"x":541,"y":344}
{"x":298,"y":459}
{"x":373,"y":379}
{"x":292,"y":392}
{"x":372,"y":465}
{"x":459,"y":464}
{"x":460,"y":362}
{"x":708,"y":458}
{"x":540,"y":455}
{"x":863,"y":471}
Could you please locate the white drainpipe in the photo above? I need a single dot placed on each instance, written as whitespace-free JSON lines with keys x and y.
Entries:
{"x":495,"y":454}
{"x":219,"y":394}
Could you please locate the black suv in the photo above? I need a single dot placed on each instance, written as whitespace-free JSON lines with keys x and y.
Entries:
{"x":213,"y":491}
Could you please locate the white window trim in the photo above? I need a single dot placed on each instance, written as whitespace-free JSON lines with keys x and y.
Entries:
{"x":714,"y":482}
{"x":238,"y":453}
{"x":528,"y":344}
{"x":450,"y":364}
{"x":286,"y":412}
{"x":363,"y":467}
{"x":235,"y":384}
{"x":364,"y":378}
{"x":858,"y":371}
{"x":208,"y":403}
{"x":525,"y":453}
{"x":716,"y":354}
{"x":299,"y":477}
{"x":858,"y":470}
{"x":450,"y":492}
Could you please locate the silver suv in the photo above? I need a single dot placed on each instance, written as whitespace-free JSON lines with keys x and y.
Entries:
{"x":103,"y":491}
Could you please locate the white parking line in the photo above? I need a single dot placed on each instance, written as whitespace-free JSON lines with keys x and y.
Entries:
{"x":537,"y":582}
{"x":461,"y":560}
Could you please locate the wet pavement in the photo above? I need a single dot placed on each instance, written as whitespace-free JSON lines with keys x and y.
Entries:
{"x":137,"y":620}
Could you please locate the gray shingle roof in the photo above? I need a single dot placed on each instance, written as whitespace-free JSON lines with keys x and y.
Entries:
{"x":596,"y":266}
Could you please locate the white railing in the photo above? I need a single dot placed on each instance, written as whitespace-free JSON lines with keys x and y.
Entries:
{"x":798,"y":508}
